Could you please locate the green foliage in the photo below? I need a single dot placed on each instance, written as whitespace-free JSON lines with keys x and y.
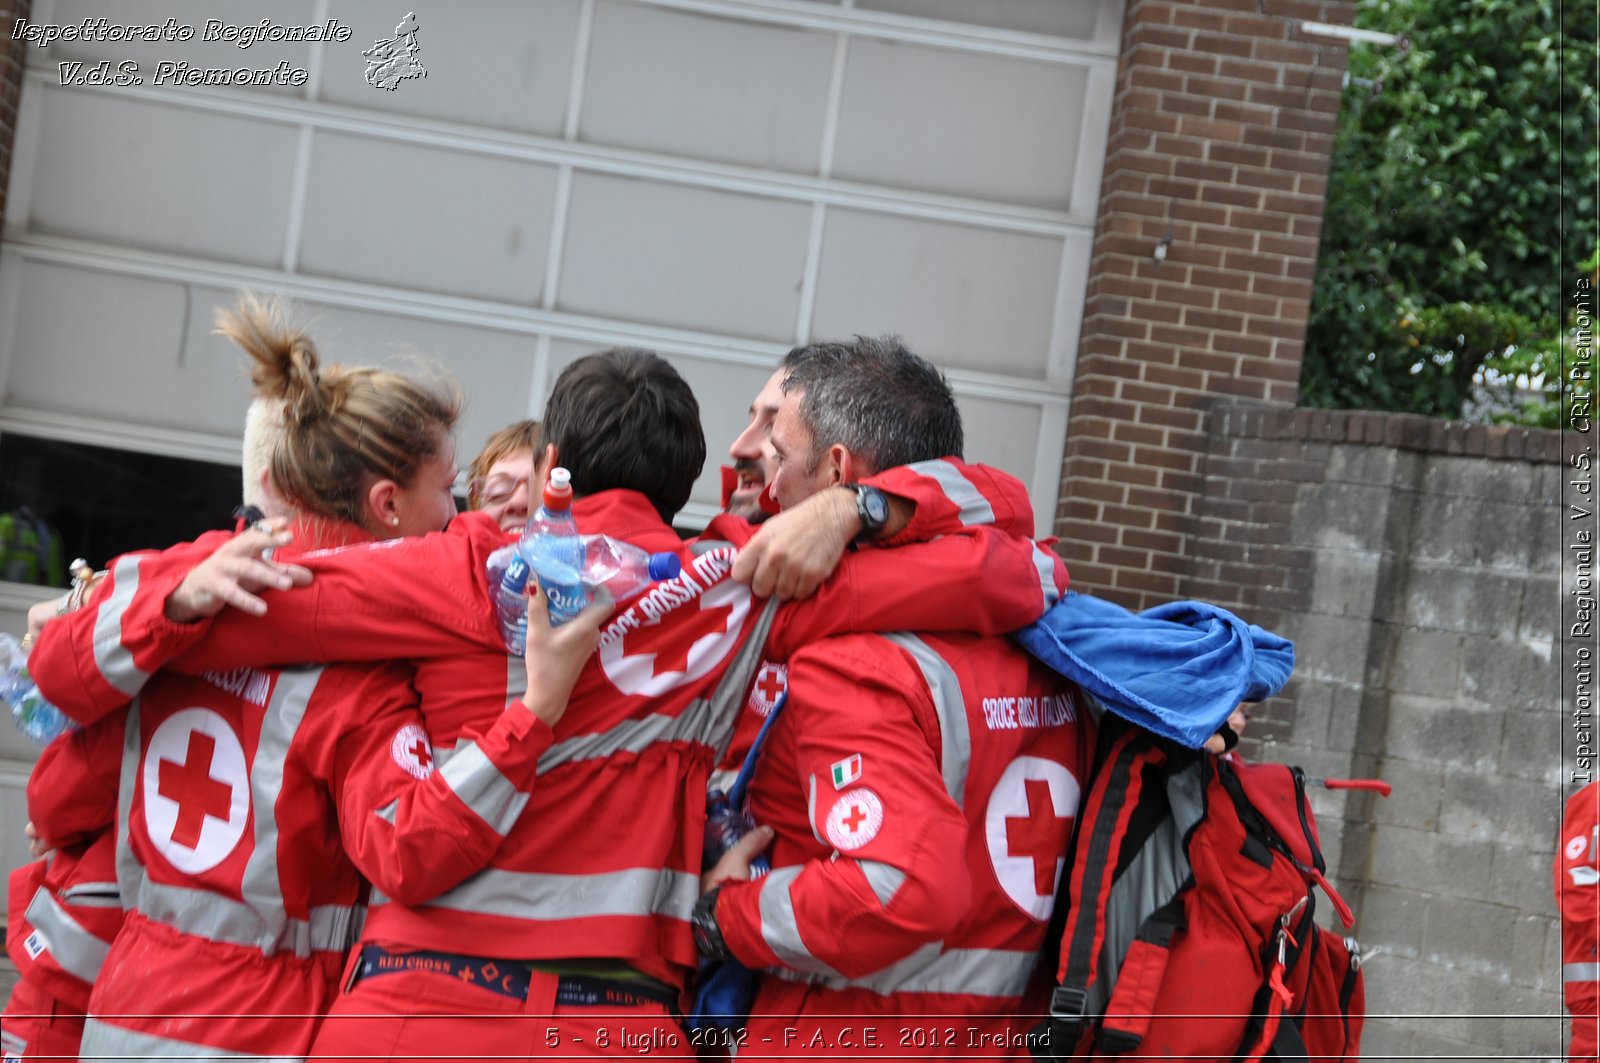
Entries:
{"x":1461,"y":197}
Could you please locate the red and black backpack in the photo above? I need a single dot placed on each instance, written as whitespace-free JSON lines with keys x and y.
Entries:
{"x":1187,"y":926}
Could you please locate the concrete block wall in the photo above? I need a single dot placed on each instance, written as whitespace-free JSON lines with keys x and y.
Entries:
{"x":1416,"y":564}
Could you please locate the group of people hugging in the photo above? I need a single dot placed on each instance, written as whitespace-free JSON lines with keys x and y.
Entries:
{"x":314,"y":809}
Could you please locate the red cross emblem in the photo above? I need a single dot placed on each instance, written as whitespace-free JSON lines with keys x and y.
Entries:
{"x":771,"y":682}
{"x":195,"y":788}
{"x":1040,"y":836}
{"x":198,"y":795}
{"x":679,"y":642}
{"x":412,"y":751}
{"x":1025,"y":826}
{"x":854,"y":820}
{"x":671,"y":641}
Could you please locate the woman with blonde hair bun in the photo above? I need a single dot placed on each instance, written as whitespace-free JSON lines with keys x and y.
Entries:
{"x":255,"y":805}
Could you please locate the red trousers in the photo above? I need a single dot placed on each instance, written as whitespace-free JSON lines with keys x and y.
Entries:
{"x":37,"y":1026}
{"x":424,"y":1017}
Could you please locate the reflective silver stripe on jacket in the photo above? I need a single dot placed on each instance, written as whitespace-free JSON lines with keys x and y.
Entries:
{"x":111,"y":657}
{"x":529,"y":895}
{"x":975,"y":509}
{"x":215,"y":918}
{"x":708,"y":721}
{"x":472,"y":776}
{"x":632,"y":891}
{"x":11,"y":1044}
{"x":998,"y":973}
{"x":93,"y":895}
{"x":885,"y":879}
{"x":259,"y":921}
{"x":951,"y":707}
{"x":778,"y":928}
{"x":103,"y":1041}
{"x":1045,"y":563}
{"x":1580,"y":972}
{"x":78,"y":952}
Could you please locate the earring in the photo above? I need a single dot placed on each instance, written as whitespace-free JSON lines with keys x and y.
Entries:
{"x":395,"y":521}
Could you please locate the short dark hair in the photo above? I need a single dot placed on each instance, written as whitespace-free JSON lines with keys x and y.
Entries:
{"x":624,"y":418}
{"x":886,"y":404}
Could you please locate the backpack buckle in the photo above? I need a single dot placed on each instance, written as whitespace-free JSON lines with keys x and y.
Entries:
{"x":1069,"y":1004}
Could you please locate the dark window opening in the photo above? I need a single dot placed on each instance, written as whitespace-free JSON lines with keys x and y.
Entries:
{"x":99,"y":502}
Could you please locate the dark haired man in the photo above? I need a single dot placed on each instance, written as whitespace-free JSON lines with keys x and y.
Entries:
{"x":922,"y":787}
{"x":583,"y":913}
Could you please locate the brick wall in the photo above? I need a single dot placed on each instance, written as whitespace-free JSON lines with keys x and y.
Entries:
{"x":12,"y":56}
{"x":1221,"y":133}
{"x":1416,"y":565}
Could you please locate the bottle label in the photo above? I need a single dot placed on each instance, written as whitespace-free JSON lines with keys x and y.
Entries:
{"x":565,"y":600}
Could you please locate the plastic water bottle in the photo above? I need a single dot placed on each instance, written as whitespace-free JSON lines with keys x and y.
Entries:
{"x":40,"y":721}
{"x":570,"y":567}
{"x":622,"y":568}
{"x":725,"y":825}
{"x":553,"y":550}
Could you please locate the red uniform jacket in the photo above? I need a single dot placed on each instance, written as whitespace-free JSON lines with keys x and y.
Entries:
{"x":1578,"y":897}
{"x":895,"y":753}
{"x":63,"y":913}
{"x":250,"y":806}
{"x":647,"y":718}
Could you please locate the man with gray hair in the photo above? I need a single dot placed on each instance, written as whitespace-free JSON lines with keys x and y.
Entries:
{"x":922,"y":788}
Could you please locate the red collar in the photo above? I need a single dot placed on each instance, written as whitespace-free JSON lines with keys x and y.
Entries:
{"x":625,"y":515}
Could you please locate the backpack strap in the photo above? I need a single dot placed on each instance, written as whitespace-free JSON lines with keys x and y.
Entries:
{"x":1133,"y":1001}
{"x":741,"y":782}
{"x":1113,"y":801}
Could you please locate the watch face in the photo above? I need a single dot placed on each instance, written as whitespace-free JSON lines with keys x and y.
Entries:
{"x":875,"y":506}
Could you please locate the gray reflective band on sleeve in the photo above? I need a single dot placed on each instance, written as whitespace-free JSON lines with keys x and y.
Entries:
{"x":11,"y":1044}
{"x":472,"y":776}
{"x":975,"y":509}
{"x":884,"y":879}
{"x":1580,"y":972}
{"x":130,"y":873}
{"x":519,"y":895}
{"x":93,"y":895}
{"x":951,"y":706}
{"x":778,"y":928}
{"x":997,"y":973}
{"x":111,"y":657}
{"x":261,"y":886}
{"x":101,"y":1040}
{"x":78,"y":952}
{"x":1045,"y":562}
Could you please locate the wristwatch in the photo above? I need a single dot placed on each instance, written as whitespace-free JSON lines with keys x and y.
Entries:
{"x":872,"y":506}
{"x":707,"y":934}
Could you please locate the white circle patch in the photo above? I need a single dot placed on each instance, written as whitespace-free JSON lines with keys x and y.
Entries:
{"x":854,"y":820}
{"x":412,"y":751}
{"x":668,"y":664}
{"x":196,"y":790}
{"x":771,"y":683}
{"x":1576,"y":845}
{"x":1027,"y":827}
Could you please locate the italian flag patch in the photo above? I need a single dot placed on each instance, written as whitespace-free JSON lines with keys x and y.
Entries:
{"x":846,"y":771}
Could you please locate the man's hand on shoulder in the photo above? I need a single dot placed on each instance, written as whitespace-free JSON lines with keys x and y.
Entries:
{"x":792,"y":553}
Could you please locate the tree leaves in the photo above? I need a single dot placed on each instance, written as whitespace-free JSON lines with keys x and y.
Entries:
{"x":1461,"y":196}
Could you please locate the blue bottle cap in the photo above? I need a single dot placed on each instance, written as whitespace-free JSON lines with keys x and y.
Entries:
{"x":665,"y":566}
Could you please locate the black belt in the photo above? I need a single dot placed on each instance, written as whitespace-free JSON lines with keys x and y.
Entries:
{"x":512,"y":978}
